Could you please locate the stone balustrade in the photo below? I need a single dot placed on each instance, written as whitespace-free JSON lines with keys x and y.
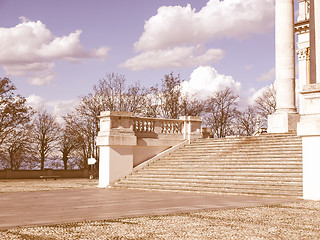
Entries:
{"x":126,"y":141}
{"x":156,"y":125}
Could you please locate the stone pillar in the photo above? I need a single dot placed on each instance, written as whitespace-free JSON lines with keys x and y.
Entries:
{"x":286,"y":117}
{"x":116,"y":140}
{"x":309,"y":125}
{"x":191,"y":127}
{"x":317,"y":38}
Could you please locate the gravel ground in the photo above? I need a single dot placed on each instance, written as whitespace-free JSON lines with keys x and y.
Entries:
{"x":31,"y":185}
{"x":296,"y":220}
{"x":286,"y":221}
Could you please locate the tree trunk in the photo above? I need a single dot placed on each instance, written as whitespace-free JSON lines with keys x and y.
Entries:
{"x":42,"y":161}
{"x":65,"y":160}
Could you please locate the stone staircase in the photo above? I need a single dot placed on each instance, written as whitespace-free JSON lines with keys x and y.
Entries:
{"x":267,"y":165}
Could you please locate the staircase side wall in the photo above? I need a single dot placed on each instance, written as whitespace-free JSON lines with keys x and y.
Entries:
{"x":126,"y":141}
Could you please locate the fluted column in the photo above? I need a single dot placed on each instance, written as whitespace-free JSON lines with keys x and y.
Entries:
{"x":286,"y":117}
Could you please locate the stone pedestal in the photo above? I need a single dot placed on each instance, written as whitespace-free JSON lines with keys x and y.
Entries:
{"x":309,"y":130}
{"x":311,"y":167}
{"x":116,"y":140}
{"x":283,"y":122}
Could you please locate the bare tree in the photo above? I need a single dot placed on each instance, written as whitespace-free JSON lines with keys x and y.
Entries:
{"x":82,"y":131}
{"x":67,"y":145}
{"x":18,"y":147}
{"x":153,"y":103}
{"x":165,"y":101}
{"x":266,"y":103}
{"x":13,"y":109}
{"x":46,"y":134}
{"x":191,"y":105}
{"x":221,"y":112}
{"x":246,"y":121}
{"x":109,"y":92}
{"x":170,"y":96}
{"x":135,"y":99}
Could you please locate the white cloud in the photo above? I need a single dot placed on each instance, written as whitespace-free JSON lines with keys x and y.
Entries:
{"x":64,"y":107}
{"x":172,"y":35}
{"x":176,"y":57}
{"x":35,"y":101}
{"x":29,"y":49}
{"x":176,"y":25}
{"x":58,"y":108}
{"x":205,"y":80}
{"x":257,"y":94}
{"x":268,"y":76}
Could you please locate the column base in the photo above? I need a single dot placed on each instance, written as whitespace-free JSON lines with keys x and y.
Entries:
{"x":283,"y":122}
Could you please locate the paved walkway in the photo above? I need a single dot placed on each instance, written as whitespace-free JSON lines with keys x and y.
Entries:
{"x":63,"y":206}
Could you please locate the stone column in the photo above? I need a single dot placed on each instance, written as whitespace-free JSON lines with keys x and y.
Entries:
{"x":286,"y":117}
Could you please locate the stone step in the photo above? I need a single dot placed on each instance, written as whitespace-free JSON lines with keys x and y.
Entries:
{"x":213,"y":184}
{"x":231,"y":145}
{"x":267,"y":165}
{"x":234,"y":181}
{"x":234,"y":184}
{"x":208,"y":172}
{"x":244,"y":157}
{"x":241,"y":148}
{"x":231,"y":158}
{"x":239,"y":159}
{"x":222,"y":175}
{"x":222,"y":163}
{"x":223,"y":191}
{"x":235,"y":166}
{"x":223,"y":167}
{"x":255,"y":150}
{"x":247,"y":142}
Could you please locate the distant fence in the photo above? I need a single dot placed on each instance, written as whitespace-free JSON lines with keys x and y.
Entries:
{"x":29,"y":174}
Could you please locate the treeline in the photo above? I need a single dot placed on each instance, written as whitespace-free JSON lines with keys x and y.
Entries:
{"x":34,"y":139}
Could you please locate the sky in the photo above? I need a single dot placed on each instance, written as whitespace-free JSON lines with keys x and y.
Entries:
{"x":55,"y":51}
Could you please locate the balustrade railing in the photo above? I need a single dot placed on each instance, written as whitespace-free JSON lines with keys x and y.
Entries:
{"x":125,"y":124}
{"x":171,"y":127}
{"x":158,"y":125}
{"x":143,"y":125}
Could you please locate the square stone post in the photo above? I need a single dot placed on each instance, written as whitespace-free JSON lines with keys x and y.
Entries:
{"x":116,"y":140}
{"x":191,"y":127}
